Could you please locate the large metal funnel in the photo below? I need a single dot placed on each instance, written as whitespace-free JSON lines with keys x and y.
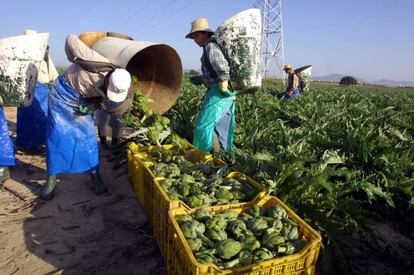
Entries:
{"x":157,"y":67}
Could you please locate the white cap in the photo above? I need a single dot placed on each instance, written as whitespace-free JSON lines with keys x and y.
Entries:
{"x":119,"y":83}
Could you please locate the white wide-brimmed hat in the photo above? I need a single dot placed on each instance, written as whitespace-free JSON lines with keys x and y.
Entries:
{"x":119,"y":83}
{"x":200,"y":24}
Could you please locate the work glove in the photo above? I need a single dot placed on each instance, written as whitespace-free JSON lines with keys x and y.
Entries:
{"x":223,"y":85}
{"x":86,"y":109}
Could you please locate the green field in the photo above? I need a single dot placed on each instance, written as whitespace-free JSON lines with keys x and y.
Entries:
{"x":342,"y":157}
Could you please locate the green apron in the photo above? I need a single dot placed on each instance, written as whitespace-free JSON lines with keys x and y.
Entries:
{"x":215,"y":105}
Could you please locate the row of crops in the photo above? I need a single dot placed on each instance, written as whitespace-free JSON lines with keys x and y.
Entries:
{"x":342,"y":158}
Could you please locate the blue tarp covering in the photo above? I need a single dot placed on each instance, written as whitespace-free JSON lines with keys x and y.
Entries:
{"x":6,"y":144}
{"x":71,"y":145}
{"x":32,"y":120}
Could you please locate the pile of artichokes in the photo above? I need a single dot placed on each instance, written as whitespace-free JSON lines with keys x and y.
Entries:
{"x":229,"y":239}
{"x":200,"y":184}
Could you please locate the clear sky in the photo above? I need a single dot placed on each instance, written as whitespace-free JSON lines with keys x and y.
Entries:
{"x":370,"y":39}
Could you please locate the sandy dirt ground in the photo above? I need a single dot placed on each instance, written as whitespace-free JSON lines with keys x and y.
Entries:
{"x":77,"y":232}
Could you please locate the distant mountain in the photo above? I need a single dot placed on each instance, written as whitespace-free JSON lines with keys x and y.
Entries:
{"x":383,"y":82}
{"x":393,"y":83}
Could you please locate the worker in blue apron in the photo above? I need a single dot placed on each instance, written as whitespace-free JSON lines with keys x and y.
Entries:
{"x":293,"y":88}
{"x":71,"y":143}
{"x":32,"y":120}
{"x":6,"y":147}
{"x":215,"y":122}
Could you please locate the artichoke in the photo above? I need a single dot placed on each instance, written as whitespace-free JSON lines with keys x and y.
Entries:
{"x":198,"y":200}
{"x":257,"y":225}
{"x":202,"y":215}
{"x":261,"y":255}
{"x":285,"y":248}
{"x":187,"y":179}
{"x":191,"y":229}
{"x":195,"y":244}
{"x":200,"y":228}
{"x":216,"y":235}
{"x":255,"y":211}
{"x":274,"y":224}
{"x":216,"y":223}
{"x":174,"y":196}
{"x":195,"y":201}
{"x":223,"y":194}
{"x":290,"y":232}
{"x":245,"y":217}
{"x":166,"y":183}
{"x":228,"y":248}
{"x":245,"y":257}
{"x":237,"y":228}
{"x":183,"y":218}
{"x":250,"y":243}
{"x":205,"y":258}
{"x":271,"y":240}
{"x":183,"y":189}
{"x":229,"y":215}
{"x":231,"y":263}
{"x":195,"y":190}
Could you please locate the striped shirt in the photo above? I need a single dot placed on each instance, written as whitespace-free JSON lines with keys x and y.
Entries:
{"x":214,"y":65}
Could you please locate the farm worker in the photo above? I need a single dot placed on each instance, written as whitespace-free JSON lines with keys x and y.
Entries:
{"x":293,"y":83}
{"x":6,"y":147}
{"x":32,"y":120}
{"x":215,"y":123}
{"x":71,"y":144}
{"x":114,"y":121}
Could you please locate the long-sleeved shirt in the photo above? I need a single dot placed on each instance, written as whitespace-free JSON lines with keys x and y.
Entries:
{"x":214,"y":65}
{"x":293,"y":81}
{"x":85,"y":82}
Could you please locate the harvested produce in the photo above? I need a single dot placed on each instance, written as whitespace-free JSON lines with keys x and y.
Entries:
{"x":226,"y":240}
{"x":199,"y":184}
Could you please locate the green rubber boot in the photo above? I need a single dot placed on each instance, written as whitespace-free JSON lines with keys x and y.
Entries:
{"x":4,"y":173}
{"x":98,"y":185}
{"x":48,"y":190}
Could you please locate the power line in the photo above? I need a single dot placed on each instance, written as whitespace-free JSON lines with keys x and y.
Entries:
{"x":154,"y":16}
{"x":172,"y":14}
{"x":136,"y":12}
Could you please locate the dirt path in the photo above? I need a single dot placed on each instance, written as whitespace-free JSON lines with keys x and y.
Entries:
{"x":77,"y":232}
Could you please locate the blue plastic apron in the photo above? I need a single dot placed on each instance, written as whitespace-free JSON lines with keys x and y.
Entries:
{"x":6,"y":144}
{"x":295,"y":94}
{"x":71,"y":145}
{"x":32,"y":120}
{"x":216,"y":106}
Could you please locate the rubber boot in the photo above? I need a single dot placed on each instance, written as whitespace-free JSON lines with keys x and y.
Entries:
{"x":103,"y":142}
{"x":114,"y":141}
{"x":4,"y":173}
{"x":98,"y":185}
{"x":48,"y":190}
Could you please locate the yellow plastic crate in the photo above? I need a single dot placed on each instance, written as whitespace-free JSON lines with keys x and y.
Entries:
{"x":303,"y":262}
{"x":136,"y":171}
{"x":139,"y":155}
{"x":161,"y":204}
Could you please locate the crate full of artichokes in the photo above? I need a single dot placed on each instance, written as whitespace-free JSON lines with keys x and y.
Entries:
{"x":263,"y":237}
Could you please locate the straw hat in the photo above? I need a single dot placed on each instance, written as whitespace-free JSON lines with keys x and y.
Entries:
{"x":200,"y":24}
